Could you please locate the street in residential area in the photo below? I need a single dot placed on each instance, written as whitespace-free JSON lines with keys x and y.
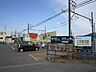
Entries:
{"x":13,"y":61}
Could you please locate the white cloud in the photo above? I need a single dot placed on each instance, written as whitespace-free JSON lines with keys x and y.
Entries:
{"x":82,"y":26}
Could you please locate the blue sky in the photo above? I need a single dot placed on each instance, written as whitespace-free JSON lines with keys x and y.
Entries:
{"x":16,"y":14}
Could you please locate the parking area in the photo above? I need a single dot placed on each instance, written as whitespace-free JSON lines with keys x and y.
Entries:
{"x":59,"y":52}
{"x":35,"y":61}
{"x":34,"y":55}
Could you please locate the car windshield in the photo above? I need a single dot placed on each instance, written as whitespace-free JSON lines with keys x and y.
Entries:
{"x":30,"y":43}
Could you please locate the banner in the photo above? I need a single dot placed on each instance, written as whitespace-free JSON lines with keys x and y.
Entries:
{"x":33,"y":37}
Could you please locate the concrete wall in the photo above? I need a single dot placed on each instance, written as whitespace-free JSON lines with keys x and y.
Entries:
{"x":9,"y":40}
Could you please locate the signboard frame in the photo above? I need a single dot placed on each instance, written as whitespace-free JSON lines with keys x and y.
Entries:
{"x":83,"y":41}
{"x":62,"y":39}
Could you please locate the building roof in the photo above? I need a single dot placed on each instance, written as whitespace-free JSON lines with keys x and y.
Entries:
{"x":90,"y":34}
{"x":2,"y":32}
{"x":8,"y":36}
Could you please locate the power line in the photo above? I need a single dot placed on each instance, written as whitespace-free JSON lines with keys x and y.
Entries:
{"x":81,"y":15}
{"x":63,"y":11}
{"x":37,"y":30}
{"x":84,"y":3}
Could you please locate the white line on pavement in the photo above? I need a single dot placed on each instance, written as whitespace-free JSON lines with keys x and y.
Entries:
{"x":23,"y":65}
{"x":12,"y":47}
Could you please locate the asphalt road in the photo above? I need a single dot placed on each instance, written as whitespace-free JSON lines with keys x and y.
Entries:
{"x":13,"y":61}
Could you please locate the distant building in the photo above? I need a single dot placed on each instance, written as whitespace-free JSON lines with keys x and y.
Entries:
{"x":2,"y":37}
{"x":90,"y":34}
{"x":47,"y":36}
{"x":9,"y":39}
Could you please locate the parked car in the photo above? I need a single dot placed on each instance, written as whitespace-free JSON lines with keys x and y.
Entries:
{"x":27,"y":45}
{"x":44,"y":45}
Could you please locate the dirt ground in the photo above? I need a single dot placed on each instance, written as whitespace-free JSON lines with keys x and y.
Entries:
{"x":38,"y":56}
{"x":42,"y":55}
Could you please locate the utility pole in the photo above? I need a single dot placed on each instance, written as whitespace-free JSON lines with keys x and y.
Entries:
{"x":15,"y":33}
{"x":94,"y":38}
{"x":45,"y":33}
{"x":69,"y":16}
{"x":15,"y":36}
{"x":92,"y":31}
{"x":28,"y":28}
{"x":5,"y":28}
{"x":45,"y":30}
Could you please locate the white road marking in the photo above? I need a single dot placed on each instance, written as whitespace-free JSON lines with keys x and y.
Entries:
{"x":23,"y":65}
{"x":12,"y":47}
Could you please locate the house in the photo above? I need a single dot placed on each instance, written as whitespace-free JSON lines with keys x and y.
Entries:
{"x":2,"y":37}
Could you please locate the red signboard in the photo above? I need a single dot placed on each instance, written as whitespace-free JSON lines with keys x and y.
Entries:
{"x":33,"y":36}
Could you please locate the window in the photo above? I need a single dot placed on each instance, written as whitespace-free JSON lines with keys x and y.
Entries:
{"x":13,"y":38}
{"x":1,"y":33}
{"x":1,"y":37}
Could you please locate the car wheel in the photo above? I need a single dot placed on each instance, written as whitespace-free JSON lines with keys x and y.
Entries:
{"x":21,"y":50}
{"x":37,"y":49}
